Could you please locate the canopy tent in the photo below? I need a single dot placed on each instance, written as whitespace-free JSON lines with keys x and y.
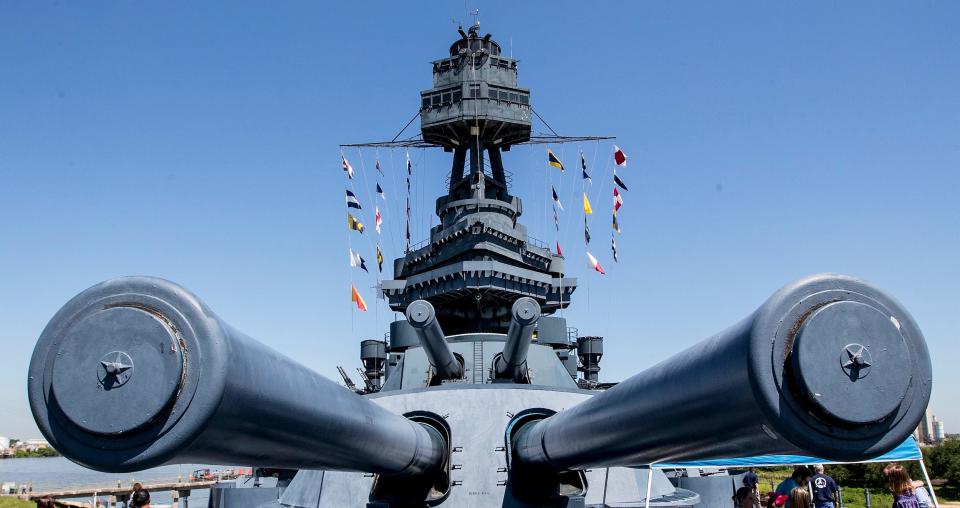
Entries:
{"x":906,"y":451}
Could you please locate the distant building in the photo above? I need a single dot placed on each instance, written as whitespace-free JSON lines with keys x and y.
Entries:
{"x":32,"y":444}
{"x":924,"y":432}
{"x":4,"y":443}
{"x":939,"y":435}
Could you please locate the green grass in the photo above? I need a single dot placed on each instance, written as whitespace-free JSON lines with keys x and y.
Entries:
{"x":854,"y":498}
{"x":12,"y":502}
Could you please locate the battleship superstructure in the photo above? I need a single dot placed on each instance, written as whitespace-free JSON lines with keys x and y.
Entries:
{"x":481,"y":397}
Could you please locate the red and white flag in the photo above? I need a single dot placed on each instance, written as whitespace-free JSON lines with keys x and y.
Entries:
{"x":347,"y":168}
{"x":619,"y":157}
{"x":595,"y":264}
{"x":559,"y":252}
{"x":379,"y":221}
{"x":617,"y":200}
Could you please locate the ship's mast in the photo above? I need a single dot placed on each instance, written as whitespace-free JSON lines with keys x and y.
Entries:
{"x":479,"y":259}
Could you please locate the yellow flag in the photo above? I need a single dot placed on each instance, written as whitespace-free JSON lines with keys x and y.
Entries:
{"x":586,"y":205}
{"x":552,"y":160}
{"x":354,"y":224}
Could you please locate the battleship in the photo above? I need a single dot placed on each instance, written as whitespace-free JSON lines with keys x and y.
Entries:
{"x":482,"y":396}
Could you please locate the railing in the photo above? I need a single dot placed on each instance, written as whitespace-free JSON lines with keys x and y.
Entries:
{"x":536,"y":242}
{"x":419,"y":245}
{"x":487,"y":171}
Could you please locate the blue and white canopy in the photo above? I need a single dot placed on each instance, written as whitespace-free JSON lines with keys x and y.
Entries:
{"x":908,"y":450}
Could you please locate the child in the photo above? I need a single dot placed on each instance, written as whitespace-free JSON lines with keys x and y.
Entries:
{"x":799,"y":498}
{"x":743,"y":498}
{"x":901,"y":486}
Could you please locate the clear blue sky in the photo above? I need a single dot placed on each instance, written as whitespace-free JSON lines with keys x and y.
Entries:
{"x":199,"y":142}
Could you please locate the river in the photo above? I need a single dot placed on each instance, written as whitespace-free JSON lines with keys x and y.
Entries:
{"x":58,"y":473}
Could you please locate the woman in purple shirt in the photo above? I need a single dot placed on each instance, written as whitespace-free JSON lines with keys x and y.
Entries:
{"x":901,"y":486}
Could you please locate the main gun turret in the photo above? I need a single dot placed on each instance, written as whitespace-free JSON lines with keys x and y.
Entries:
{"x":137,"y":372}
{"x":829,"y":366}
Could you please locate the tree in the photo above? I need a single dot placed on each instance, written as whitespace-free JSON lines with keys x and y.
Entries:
{"x":944,"y":461}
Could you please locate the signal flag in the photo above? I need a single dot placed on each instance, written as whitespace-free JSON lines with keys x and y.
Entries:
{"x":355,"y":297}
{"x":619,"y":182}
{"x":354,"y":224}
{"x":347,"y":167}
{"x":352,"y":201}
{"x":595,"y":264}
{"x":552,"y":160}
{"x":356,"y":261}
{"x":619,"y":157}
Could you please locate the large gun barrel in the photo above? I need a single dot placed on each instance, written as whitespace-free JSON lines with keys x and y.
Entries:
{"x":137,"y":372}
{"x":829,"y":366}
{"x":512,"y":362}
{"x":421,"y":315}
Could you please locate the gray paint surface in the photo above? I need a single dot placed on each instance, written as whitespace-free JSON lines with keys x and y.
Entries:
{"x":478,"y":439}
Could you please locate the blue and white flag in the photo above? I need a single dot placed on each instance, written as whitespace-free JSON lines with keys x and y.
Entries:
{"x":356,"y":261}
{"x":352,"y":201}
{"x":583,"y":167}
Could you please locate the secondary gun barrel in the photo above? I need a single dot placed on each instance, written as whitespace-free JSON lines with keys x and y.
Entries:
{"x":137,"y":372}
{"x":829,"y":366}
{"x":512,"y":362}
{"x":423,"y":318}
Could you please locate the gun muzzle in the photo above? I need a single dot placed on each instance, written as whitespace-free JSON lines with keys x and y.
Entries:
{"x":423,"y":318}
{"x":512,"y":362}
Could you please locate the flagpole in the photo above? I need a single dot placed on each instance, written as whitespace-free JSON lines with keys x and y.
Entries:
{"x":933,"y":494}
{"x":646,"y":500}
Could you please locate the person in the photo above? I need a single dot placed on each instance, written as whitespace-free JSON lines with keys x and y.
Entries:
{"x":799,"y":498}
{"x":141,"y":499}
{"x":826,"y":494}
{"x":901,"y":486}
{"x":923,"y":497}
{"x":799,"y":478}
{"x":743,"y":498}
{"x":751,"y":481}
{"x":137,"y":487}
{"x":775,"y":500}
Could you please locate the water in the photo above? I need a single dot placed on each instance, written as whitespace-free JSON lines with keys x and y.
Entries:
{"x":58,"y":473}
